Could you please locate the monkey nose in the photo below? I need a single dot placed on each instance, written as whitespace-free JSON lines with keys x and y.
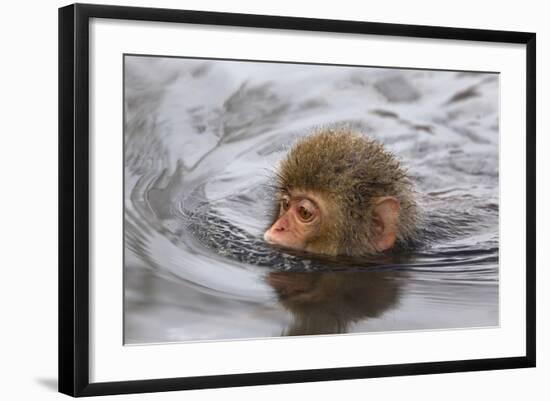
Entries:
{"x":280,"y":225}
{"x":268,"y":235}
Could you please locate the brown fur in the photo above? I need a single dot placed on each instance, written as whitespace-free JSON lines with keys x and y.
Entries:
{"x":349,"y":171}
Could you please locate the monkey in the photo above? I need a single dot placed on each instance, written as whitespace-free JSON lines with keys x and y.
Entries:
{"x":339,"y":193}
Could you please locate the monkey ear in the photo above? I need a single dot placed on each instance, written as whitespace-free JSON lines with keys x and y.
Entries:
{"x":385,"y":216}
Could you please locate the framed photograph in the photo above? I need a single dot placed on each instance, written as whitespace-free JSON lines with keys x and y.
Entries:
{"x":251,"y":199}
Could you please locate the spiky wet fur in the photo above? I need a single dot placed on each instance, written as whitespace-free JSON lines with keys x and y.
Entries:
{"x":350,"y":171}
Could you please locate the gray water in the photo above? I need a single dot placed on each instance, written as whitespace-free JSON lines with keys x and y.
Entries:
{"x":202,"y":141}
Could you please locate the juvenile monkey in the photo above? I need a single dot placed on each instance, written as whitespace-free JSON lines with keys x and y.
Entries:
{"x":340,"y":193}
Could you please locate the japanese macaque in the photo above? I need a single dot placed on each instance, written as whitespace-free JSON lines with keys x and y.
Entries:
{"x":340,"y":193}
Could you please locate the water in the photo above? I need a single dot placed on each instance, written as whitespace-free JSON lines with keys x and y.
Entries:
{"x":202,"y":139}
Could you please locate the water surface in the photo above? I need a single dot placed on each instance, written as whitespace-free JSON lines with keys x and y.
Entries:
{"x":202,"y":140}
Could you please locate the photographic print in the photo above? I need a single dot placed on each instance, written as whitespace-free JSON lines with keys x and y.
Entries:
{"x":255,"y":213}
{"x":270,"y":199}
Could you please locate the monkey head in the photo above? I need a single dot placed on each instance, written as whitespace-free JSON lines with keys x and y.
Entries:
{"x":341,"y":194}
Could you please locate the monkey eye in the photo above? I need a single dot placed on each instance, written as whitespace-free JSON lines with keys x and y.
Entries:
{"x":306,"y":211}
{"x":285,"y":204}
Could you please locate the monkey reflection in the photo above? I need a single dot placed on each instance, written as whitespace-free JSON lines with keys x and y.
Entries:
{"x":342,"y":194}
{"x":328,"y":302}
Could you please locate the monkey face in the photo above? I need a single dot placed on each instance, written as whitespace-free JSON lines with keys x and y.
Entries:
{"x":312,"y":222}
{"x":298,"y":222}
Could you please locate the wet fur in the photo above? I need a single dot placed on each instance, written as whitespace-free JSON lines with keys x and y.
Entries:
{"x":349,"y":171}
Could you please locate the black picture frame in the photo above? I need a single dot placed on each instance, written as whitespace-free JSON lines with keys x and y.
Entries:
{"x":74,"y":194}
